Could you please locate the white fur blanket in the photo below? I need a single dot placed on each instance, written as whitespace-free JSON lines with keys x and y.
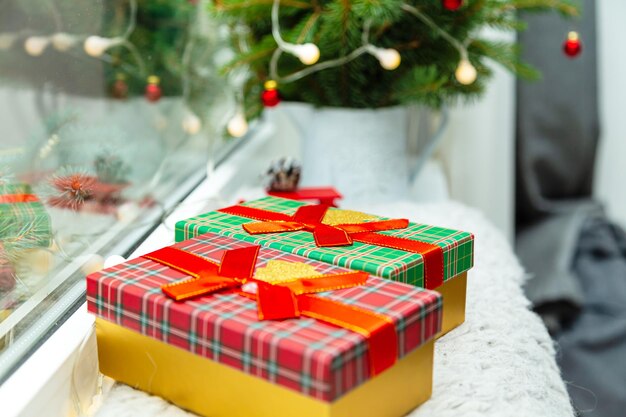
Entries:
{"x":499,"y":363}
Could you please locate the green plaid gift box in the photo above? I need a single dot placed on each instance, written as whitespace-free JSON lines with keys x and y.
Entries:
{"x":385,"y":262}
{"x":23,"y":216}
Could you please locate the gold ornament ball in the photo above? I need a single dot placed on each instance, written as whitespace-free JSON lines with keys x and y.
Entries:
{"x":465,"y":73}
{"x":92,"y":263}
{"x":35,"y":45}
{"x":237,"y":126}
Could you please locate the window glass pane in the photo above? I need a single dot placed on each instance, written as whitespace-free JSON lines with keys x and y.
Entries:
{"x":110,"y":111}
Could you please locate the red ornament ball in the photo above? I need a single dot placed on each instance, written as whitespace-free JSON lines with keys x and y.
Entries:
{"x":270,"y":96}
{"x":451,"y":4}
{"x":572,"y":47}
{"x":153,"y":90}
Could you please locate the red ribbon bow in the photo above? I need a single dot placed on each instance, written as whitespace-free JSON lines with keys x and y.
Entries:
{"x":290,"y":299}
{"x":309,"y":218}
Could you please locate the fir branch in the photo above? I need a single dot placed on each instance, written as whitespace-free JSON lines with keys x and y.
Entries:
{"x":27,"y":235}
{"x":222,"y":7}
{"x":431,"y":43}
{"x":307,"y":27}
{"x":507,"y":55}
{"x":565,"y":7}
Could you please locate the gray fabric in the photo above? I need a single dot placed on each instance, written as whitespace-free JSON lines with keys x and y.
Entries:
{"x":593,"y":349}
{"x":557,"y":117}
{"x":557,"y":135}
{"x":576,"y":256}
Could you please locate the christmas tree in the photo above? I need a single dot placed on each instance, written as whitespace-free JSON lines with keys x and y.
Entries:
{"x":373,"y":53}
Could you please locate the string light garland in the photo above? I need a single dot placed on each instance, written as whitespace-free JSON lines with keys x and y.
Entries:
{"x":465,"y":72}
{"x":191,"y":123}
{"x":36,"y":45}
{"x":7,"y":40}
{"x":307,"y":53}
{"x":63,"y":42}
{"x":389,"y":58}
{"x":95,"y":46}
{"x":238,"y":125}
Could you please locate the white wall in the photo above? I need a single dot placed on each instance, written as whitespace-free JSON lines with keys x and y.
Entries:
{"x":610,"y":177}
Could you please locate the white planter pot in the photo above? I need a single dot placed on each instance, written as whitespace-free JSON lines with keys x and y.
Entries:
{"x":362,"y":152}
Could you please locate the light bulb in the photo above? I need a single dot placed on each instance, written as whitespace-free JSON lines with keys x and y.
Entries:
{"x":113,"y":260}
{"x":307,"y":53}
{"x":63,"y":41}
{"x":35,"y":45}
{"x":96,"y":45}
{"x":6,"y":40}
{"x":191,"y":123}
{"x":389,"y":58}
{"x":465,"y":73}
{"x":92,"y":263}
{"x":237,"y":126}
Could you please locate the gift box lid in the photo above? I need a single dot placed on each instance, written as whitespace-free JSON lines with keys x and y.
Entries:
{"x":21,"y":210}
{"x":307,"y":355}
{"x":387,"y":262}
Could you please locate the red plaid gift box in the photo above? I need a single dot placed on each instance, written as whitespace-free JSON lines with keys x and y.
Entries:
{"x":306,"y":355}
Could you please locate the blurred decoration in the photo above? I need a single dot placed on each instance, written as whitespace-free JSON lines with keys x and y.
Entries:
{"x":76,"y":189}
{"x":70,"y":188}
{"x":283,"y":175}
{"x":373,"y":55}
{"x":38,"y":262}
{"x":119,"y":89}
{"x":152,"y":49}
{"x":451,"y":5}
{"x":113,"y":260}
{"x":111,"y":168}
{"x":7,"y":273}
{"x":91,"y":263}
{"x":191,"y":123}
{"x":153,"y":89}
{"x":238,"y":125}
{"x":24,"y":221}
{"x":572,"y":47}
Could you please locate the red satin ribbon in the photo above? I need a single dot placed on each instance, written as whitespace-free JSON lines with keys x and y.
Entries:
{"x":18,"y":198}
{"x":285,"y":300}
{"x":309,"y":218}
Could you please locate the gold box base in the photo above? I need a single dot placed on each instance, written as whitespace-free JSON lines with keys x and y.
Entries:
{"x":454,"y":293}
{"x":215,"y":390}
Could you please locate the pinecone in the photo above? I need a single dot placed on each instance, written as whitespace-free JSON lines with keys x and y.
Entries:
{"x":283,"y":175}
